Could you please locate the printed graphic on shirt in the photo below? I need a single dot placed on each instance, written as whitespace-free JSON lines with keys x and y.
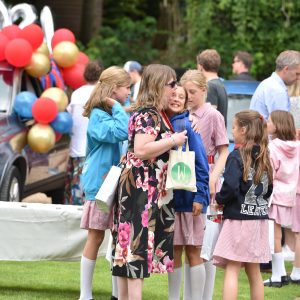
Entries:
{"x":255,"y":205}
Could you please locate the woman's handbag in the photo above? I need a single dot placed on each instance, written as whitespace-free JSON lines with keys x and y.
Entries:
{"x":181,"y":170}
{"x":106,"y":194}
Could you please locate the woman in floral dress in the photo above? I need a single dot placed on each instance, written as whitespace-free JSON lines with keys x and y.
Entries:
{"x":144,"y":216}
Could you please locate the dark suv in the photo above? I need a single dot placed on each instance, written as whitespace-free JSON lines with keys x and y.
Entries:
{"x":23,"y":171}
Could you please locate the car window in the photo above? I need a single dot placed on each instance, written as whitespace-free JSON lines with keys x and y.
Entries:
{"x":236,"y":103}
{"x":6,"y":89}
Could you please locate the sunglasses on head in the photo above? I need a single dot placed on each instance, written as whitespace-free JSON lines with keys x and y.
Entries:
{"x":172,"y":84}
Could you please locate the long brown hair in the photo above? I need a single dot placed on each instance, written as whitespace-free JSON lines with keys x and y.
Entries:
{"x":256,"y":133}
{"x":285,"y":125}
{"x":109,"y":79}
{"x":153,"y":81}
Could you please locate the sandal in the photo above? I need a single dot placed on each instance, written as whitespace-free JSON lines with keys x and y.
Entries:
{"x":296,"y":281}
{"x":285,"y":280}
{"x":271,"y":283}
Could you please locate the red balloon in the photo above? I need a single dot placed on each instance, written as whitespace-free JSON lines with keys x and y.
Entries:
{"x":73,"y":76}
{"x":11,"y":31}
{"x":33,"y":34}
{"x":18,"y":52}
{"x":62,"y":35}
{"x":3,"y":43}
{"x":58,"y":136}
{"x":82,"y":58}
{"x":44,"y":110}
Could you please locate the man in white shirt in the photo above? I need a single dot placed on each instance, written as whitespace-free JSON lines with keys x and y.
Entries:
{"x":135,"y":71}
{"x":272,"y":94}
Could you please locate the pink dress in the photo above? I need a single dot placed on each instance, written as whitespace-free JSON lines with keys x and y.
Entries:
{"x":245,"y":241}
{"x":285,"y":163}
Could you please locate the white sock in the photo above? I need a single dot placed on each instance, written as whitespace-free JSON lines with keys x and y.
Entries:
{"x":187,"y":283}
{"x":210,"y":276}
{"x":174,"y":281}
{"x":114,"y":286}
{"x":278,"y":267}
{"x":87,"y":267}
{"x":197,"y":281}
{"x":295,"y":275}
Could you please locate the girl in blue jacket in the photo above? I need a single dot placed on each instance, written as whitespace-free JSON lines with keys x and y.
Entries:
{"x":190,"y":207}
{"x":107,"y":128}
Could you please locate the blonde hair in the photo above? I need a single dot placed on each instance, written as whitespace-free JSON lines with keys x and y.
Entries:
{"x":256,"y":133}
{"x":285,"y":125}
{"x":109,"y":79}
{"x":294,"y":89}
{"x":153,"y":82}
{"x":195,"y":76}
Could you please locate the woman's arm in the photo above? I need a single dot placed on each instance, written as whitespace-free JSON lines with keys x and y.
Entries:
{"x":145,"y":146}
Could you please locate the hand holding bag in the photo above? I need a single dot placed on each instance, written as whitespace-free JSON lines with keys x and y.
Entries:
{"x":181,"y":170}
{"x":106,"y":193}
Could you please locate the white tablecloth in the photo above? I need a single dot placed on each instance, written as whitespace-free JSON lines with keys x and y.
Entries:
{"x":33,"y":231}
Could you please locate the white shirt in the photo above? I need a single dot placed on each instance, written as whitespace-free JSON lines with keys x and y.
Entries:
{"x":136,"y":88}
{"x":80,"y":123}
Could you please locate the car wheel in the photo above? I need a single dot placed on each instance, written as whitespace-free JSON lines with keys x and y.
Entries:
{"x":12,"y":186}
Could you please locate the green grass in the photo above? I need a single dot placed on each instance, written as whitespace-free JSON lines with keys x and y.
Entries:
{"x":60,"y":280}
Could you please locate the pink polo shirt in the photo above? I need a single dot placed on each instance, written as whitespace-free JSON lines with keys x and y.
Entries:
{"x":212,"y":128}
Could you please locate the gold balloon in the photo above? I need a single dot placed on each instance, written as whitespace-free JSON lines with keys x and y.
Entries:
{"x":43,"y":49}
{"x":58,"y":96}
{"x":39,"y":65}
{"x":65,"y":54}
{"x":41,"y":138}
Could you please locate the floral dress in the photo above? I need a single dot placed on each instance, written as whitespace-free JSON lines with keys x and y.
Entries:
{"x":144,"y":216}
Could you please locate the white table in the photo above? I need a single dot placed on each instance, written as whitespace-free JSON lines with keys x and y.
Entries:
{"x":34,"y":231}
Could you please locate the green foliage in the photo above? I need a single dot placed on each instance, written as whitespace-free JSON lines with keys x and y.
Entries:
{"x":129,"y":40}
{"x":262,"y":27}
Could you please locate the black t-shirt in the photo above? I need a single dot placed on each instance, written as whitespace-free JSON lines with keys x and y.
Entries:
{"x":245,"y":76}
{"x":217,"y":96}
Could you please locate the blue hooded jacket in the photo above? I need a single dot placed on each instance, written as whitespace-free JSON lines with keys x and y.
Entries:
{"x":184,"y":199}
{"x":104,"y":134}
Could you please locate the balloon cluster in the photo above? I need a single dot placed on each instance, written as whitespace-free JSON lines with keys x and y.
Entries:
{"x":49,"y":113}
{"x":25,"y":48}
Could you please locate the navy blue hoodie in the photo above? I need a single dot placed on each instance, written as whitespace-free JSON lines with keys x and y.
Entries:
{"x":184,"y":199}
{"x":243,"y":200}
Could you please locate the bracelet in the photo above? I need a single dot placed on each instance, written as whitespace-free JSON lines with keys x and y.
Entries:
{"x":173,"y":140}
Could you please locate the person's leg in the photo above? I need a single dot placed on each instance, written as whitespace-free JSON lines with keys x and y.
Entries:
{"x":277,"y":238}
{"x":197,"y":272}
{"x":135,"y":288}
{"x":174,"y":278}
{"x":295,"y":275}
{"x":122,"y":288}
{"x":210,"y":275}
{"x":278,"y":267}
{"x":231,"y":276}
{"x":187,"y":279}
{"x":255,"y":281}
{"x":114,"y":287}
{"x":88,"y":261}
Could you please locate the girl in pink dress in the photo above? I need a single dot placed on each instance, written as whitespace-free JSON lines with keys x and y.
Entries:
{"x":285,"y":162}
{"x":247,"y":186}
{"x":211,"y":125}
